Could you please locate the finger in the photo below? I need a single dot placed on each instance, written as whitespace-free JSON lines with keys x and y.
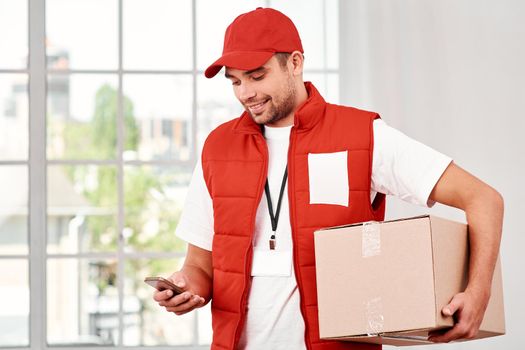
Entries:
{"x":192,"y":303}
{"x":455,"y":304}
{"x":163,"y":295}
{"x":439,"y":332}
{"x":457,"y":332}
{"x":187,"y":306}
{"x":176,"y":300}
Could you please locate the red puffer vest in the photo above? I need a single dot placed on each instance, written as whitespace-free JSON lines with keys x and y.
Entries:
{"x":235,"y":164}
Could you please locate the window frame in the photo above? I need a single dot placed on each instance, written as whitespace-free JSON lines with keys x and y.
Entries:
{"x":37,"y":164}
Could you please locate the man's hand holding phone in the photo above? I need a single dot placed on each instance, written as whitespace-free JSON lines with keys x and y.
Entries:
{"x":175,"y":294}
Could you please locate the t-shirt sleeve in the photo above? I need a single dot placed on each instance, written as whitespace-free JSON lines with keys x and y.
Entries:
{"x":404,"y":167}
{"x":196,"y":222}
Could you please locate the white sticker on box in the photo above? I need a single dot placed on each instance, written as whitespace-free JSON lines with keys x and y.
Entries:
{"x":370,"y":239}
{"x":375,"y":320}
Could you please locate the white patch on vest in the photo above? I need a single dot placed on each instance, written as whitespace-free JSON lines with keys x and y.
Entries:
{"x":328,"y":178}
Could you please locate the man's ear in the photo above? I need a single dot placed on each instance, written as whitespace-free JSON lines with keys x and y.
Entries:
{"x":297,"y":61}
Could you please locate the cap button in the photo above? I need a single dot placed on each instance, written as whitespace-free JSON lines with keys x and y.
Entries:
{"x":259,"y":8}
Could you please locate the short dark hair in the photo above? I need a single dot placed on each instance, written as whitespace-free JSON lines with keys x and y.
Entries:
{"x":282,"y":58}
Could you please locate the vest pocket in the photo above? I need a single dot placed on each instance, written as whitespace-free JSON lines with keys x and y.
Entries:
{"x":328,"y":178}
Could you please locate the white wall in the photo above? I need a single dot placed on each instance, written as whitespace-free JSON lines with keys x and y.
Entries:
{"x":451,"y":74}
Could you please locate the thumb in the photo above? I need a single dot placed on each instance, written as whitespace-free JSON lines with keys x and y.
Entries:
{"x":179,"y":279}
{"x":455,"y":304}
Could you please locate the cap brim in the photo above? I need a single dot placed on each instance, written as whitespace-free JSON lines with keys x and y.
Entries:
{"x":244,"y":60}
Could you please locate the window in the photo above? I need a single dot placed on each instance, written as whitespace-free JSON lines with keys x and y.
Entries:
{"x":14,"y":173}
{"x":100,"y":128}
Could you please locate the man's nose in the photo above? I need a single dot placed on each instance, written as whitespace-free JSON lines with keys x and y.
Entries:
{"x":246,"y":92}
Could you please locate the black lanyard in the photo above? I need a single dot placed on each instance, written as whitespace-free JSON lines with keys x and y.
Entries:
{"x":275,"y":219}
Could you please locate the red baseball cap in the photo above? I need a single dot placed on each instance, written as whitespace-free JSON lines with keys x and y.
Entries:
{"x":253,"y":38}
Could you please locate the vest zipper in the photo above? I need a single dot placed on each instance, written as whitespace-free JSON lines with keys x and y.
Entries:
{"x":249,"y":253}
{"x":291,"y":203}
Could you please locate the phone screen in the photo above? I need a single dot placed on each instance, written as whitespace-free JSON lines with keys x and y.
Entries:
{"x":161,"y":284}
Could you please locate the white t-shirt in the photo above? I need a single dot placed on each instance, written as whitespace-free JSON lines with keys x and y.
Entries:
{"x":401,"y":167}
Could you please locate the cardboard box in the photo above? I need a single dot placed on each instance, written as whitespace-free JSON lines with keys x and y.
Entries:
{"x":386,"y":282}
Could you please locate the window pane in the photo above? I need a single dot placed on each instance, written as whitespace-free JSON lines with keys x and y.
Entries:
{"x":82,"y":34}
{"x":82,"y":302}
{"x":332,"y":34}
{"x":14,"y":302}
{"x":82,"y":209}
{"x":153,"y":198}
{"x":13,"y":210}
{"x":160,"y":112}
{"x":81,"y":115}
{"x":216,"y":104}
{"x":157,"y":34}
{"x":213,"y":18}
{"x":14,"y":111}
{"x":155,"y":326}
{"x":13,"y":34}
{"x":309,"y":21}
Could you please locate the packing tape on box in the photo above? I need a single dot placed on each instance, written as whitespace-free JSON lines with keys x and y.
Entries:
{"x":375,"y":320}
{"x":371,"y":239}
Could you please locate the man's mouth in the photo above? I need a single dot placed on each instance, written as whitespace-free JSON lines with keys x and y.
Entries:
{"x":257,"y":108}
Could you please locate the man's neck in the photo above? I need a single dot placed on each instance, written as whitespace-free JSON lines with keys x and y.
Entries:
{"x":287,"y":121}
{"x":302,"y":96}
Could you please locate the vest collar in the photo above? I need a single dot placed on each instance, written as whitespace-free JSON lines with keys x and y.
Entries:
{"x":305,"y":117}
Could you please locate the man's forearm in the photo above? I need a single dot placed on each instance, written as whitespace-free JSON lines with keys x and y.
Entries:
{"x":485,"y":220}
{"x":484,"y":209}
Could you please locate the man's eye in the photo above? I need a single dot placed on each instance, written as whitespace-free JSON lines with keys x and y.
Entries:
{"x":258,"y":77}
{"x":235,"y":83}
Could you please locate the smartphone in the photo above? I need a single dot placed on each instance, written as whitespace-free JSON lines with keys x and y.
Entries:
{"x":161,"y":284}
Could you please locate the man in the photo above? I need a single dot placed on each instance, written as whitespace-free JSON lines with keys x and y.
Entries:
{"x":291,"y":164}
